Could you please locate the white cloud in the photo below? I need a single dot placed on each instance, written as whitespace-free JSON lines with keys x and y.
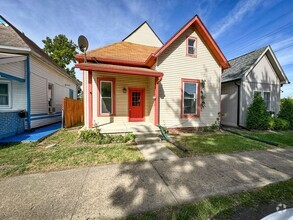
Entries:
{"x":235,"y":16}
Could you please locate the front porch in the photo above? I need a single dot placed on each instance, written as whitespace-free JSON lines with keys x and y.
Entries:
{"x":128,"y":127}
{"x":116,"y":97}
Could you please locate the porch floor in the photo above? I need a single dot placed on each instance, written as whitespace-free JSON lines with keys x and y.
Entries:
{"x":128,"y":127}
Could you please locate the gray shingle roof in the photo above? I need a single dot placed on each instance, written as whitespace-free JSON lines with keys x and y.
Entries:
{"x":241,"y":64}
{"x":10,"y":38}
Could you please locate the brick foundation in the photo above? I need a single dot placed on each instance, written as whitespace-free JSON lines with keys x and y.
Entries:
{"x":10,"y":124}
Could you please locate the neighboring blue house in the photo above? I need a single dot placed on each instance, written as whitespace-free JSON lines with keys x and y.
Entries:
{"x":32,"y":85}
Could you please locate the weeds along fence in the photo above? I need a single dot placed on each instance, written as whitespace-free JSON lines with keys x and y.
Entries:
{"x":72,"y":112}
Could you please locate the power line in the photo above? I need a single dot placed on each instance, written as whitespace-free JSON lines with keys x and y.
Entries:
{"x":257,"y":29}
{"x":255,"y":40}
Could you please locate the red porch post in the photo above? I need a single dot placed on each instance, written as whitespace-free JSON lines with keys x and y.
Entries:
{"x":157,"y":81}
{"x":90,"y":99}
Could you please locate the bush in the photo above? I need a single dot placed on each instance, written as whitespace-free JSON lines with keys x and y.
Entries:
{"x":94,"y":136}
{"x":286,"y":111}
{"x":278,"y":124}
{"x":257,"y":116}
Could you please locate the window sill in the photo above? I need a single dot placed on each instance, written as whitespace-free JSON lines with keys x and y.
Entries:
{"x":190,"y":116}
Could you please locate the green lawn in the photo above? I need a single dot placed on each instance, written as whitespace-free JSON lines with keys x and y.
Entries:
{"x":69,"y":152}
{"x":283,"y":138}
{"x":214,"y":142}
{"x":246,"y":205}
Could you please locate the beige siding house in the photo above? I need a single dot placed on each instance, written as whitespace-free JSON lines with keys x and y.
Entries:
{"x":176,"y":84}
{"x":257,"y":71}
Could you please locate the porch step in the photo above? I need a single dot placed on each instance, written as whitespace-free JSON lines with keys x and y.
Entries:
{"x":147,"y":134}
{"x":147,"y":140}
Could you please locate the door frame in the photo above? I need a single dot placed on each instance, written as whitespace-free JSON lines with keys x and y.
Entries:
{"x":142,"y":90}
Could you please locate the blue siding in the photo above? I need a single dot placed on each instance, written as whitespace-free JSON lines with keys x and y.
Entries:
{"x":11,"y":124}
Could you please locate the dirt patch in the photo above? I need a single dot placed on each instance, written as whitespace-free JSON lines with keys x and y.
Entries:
{"x":5,"y":168}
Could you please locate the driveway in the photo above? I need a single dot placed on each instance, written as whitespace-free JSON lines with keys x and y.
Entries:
{"x":121,"y":189}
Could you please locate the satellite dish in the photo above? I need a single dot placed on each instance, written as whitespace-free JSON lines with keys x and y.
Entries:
{"x":83,"y":43}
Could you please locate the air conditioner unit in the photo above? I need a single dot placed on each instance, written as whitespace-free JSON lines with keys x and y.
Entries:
{"x":51,"y":109}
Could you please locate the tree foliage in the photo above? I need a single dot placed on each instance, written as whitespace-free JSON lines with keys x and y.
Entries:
{"x":62,"y":51}
{"x":286,"y":111}
{"x":257,"y":116}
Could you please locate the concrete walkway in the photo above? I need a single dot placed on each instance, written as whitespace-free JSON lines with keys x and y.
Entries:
{"x":121,"y":189}
{"x":156,"y":151}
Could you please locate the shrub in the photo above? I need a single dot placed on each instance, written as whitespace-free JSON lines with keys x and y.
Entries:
{"x":286,"y":111}
{"x":94,"y":136}
{"x":278,"y":124}
{"x":257,"y":116}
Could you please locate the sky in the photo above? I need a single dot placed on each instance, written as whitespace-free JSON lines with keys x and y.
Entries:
{"x":237,"y":26}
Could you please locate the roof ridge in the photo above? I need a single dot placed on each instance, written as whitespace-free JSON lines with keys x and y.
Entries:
{"x":249,"y":53}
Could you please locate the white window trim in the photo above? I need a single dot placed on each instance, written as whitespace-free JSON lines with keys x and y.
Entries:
{"x":196,"y":95}
{"x":101,"y":113}
{"x":9,"y":94}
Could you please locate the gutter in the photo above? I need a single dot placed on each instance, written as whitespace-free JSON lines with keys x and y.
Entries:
{"x":15,"y":49}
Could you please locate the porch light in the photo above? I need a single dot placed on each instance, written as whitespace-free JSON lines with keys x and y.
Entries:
{"x":124,"y":90}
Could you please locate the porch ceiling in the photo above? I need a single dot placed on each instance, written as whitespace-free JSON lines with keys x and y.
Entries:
{"x":118,"y":69}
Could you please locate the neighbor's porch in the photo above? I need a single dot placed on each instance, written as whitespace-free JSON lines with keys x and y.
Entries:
{"x":120,"y":95}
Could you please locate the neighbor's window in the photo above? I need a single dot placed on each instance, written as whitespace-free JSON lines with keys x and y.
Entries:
{"x":71,"y":93}
{"x":191,"y":46}
{"x":106,"y":97}
{"x":190,"y":98}
{"x":5,"y":94}
{"x":267,"y":99}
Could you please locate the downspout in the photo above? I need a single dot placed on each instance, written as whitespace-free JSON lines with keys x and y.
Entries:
{"x":238,"y":84}
{"x":28,"y":91}
{"x":238,"y":102}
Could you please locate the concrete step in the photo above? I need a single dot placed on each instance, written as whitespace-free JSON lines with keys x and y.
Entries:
{"x":147,"y":134}
{"x":147,"y":140}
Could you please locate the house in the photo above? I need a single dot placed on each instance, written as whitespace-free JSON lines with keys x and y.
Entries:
{"x":32,"y":85}
{"x":140,"y":79}
{"x":256,"y":72}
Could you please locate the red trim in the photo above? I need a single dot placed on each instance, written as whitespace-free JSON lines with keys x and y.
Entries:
{"x":142,"y":101}
{"x":195,"y":52}
{"x":90,"y":99}
{"x":113,"y":80}
{"x":204,"y":34}
{"x":197,"y":115}
{"x":96,"y":67}
{"x":157,"y":83}
{"x":80,"y":58}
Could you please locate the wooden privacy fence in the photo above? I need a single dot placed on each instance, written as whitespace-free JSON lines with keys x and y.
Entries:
{"x":72,"y":112}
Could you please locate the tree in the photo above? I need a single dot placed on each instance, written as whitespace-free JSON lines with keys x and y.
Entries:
{"x":62,"y":51}
{"x":257,"y":116}
{"x":286,"y":111}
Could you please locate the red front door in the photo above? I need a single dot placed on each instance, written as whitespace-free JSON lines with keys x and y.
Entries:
{"x":136,"y":104}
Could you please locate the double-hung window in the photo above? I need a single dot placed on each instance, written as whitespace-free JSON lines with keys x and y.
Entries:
{"x":190,"y":98}
{"x":191,"y":46}
{"x":5,"y":94}
{"x":267,"y":99}
{"x":106,"y":97}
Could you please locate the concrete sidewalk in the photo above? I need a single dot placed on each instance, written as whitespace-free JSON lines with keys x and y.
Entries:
{"x":118,"y":190}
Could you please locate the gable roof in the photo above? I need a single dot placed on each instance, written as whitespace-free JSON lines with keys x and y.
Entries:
{"x":138,"y":29}
{"x":125,"y":53}
{"x":120,"y":52}
{"x":243,"y":64}
{"x":204,"y":34}
{"x":12,"y":37}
